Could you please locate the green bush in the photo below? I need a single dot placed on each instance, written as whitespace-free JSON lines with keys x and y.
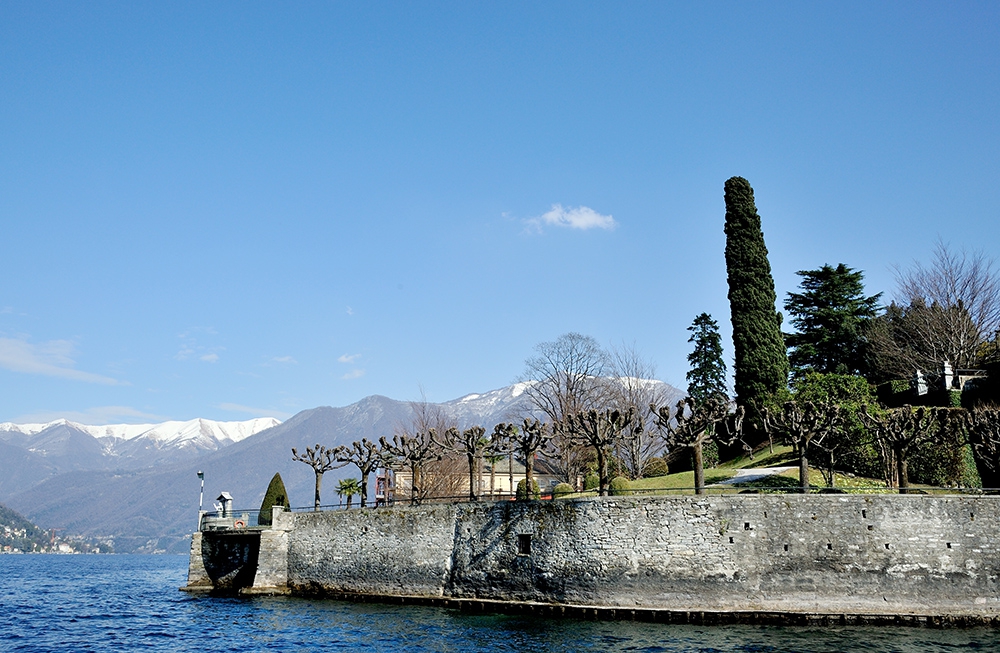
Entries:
{"x":620,"y":486}
{"x":654,"y":467}
{"x":591,"y":481}
{"x":562,"y":490}
{"x":274,"y":496}
{"x":522,"y":493}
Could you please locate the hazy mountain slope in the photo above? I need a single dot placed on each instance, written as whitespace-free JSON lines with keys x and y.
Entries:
{"x":36,"y":452}
{"x":156,"y":508}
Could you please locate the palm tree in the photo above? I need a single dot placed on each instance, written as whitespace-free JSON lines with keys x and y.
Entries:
{"x":348,"y":487}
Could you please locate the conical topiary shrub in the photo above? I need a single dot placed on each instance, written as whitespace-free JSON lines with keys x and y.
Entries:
{"x":275,"y":496}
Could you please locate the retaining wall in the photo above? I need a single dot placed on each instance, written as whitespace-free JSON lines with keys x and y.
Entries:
{"x":852,"y":554}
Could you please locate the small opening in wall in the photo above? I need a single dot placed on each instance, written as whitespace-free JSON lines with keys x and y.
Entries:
{"x":887,"y":545}
{"x":972,"y":515}
{"x":746,"y":525}
{"x":949,"y":545}
{"x":786,"y":547}
{"x":731,"y":541}
{"x":524,"y":544}
{"x":829,"y":546}
{"x":871,"y":528}
{"x":864,"y":514}
{"x":765,"y":514}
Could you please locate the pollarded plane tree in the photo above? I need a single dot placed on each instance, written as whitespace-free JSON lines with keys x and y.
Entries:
{"x":367,"y":456}
{"x":414,"y":451}
{"x":602,"y":431}
{"x":321,"y":460}
{"x":692,"y":424}
{"x":527,"y":440}
{"x":472,"y":443}
{"x":984,"y":438}
{"x":804,"y":424}
{"x":901,"y":430}
{"x":500,"y":446}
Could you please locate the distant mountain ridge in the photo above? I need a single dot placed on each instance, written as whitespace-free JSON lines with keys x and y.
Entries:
{"x":195,"y":432}
{"x":146,"y":497}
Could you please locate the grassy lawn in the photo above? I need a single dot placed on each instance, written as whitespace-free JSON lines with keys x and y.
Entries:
{"x":783,"y":456}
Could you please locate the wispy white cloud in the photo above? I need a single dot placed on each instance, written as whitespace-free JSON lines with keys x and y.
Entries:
{"x":97,"y":416}
{"x":579,"y":217}
{"x":52,"y":358}
{"x":348,"y":358}
{"x":191,"y":348}
{"x":353,"y":374}
{"x":350,"y":311}
{"x":256,"y":412}
{"x":284,"y":359}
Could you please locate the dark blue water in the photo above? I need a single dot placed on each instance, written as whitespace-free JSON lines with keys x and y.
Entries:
{"x":128,"y":603}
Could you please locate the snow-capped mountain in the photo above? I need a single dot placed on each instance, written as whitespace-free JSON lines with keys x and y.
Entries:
{"x":195,"y":433}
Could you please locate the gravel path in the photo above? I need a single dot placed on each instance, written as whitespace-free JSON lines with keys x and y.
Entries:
{"x":748,"y":475}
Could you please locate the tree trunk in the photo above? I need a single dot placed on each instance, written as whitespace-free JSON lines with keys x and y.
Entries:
{"x":904,"y":479}
{"x":364,"y":488}
{"x":414,"y":493}
{"x":699,"y":469}
{"x":803,"y":469}
{"x":493,"y":477}
{"x":472,"y":477}
{"x":510,"y":471}
{"x":319,"y":481}
{"x":602,"y":472}
{"x":529,"y":485}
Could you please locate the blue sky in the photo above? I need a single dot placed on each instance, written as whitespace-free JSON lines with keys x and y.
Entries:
{"x":227,"y":210}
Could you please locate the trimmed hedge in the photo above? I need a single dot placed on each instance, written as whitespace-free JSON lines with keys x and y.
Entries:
{"x":274,"y":496}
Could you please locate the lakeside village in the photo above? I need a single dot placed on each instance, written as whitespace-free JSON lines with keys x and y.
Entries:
{"x":19,"y":535}
{"x":861,"y":397}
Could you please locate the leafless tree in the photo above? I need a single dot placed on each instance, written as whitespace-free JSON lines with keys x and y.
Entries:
{"x":321,"y":460}
{"x":565,"y":377}
{"x":943,"y":312}
{"x":634,"y":386}
{"x":602,"y":431}
{"x":414,"y":450}
{"x":691,"y":425}
{"x":472,"y":443}
{"x":527,"y":440}
{"x":900,"y":430}
{"x":804,"y":424}
{"x":367,"y":456}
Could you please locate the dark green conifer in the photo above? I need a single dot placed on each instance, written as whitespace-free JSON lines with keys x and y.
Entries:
{"x":831,"y":315}
{"x":761,"y":368}
{"x":275,"y":496}
{"x":707,"y":376}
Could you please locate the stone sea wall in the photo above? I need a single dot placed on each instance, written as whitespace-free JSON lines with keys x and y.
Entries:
{"x":851,"y":554}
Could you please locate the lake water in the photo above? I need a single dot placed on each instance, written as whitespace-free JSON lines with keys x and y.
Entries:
{"x":129,"y":603}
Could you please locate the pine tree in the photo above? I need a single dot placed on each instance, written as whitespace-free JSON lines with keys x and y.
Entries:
{"x":274,"y":496}
{"x":707,"y":376}
{"x":761,"y":360}
{"x":830,"y":315}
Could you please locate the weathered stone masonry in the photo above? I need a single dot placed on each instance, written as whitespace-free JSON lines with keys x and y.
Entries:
{"x":871,"y":554}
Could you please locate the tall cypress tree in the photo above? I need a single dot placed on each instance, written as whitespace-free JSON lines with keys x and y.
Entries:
{"x":761,"y":361}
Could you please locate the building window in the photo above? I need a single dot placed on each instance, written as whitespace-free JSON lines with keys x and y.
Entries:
{"x":524,"y":544}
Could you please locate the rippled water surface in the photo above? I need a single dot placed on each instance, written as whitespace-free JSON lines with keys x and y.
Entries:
{"x":127,"y":603}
